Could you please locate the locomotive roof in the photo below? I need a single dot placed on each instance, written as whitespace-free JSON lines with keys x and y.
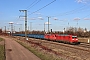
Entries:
{"x":64,"y":35}
{"x":74,"y":36}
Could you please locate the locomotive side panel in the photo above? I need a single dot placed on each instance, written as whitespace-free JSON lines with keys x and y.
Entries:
{"x":63,"y":38}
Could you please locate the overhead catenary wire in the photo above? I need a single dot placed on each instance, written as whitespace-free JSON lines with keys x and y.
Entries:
{"x":43,"y":7}
{"x":74,"y":10}
{"x":33,"y":4}
{"x":84,"y":18}
{"x":79,"y":9}
{"x":66,"y":13}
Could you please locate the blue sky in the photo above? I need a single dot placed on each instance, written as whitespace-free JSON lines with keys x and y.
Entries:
{"x":64,"y":11}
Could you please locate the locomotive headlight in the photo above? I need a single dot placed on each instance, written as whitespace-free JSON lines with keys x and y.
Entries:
{"x":76,"y":39}
{"x":72,"y":39}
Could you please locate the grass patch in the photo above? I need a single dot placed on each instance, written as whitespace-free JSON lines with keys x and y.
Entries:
{"x":38,"y":53}
{"x":2,"y":57}
{"x":1,"y":39}
{"x":2,"y":51}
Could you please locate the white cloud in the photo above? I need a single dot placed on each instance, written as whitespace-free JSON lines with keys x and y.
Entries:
{"x":76,"y":18}
{"x":21,"y":18}
{"x":55,"y":18}
{"x":18,"y":24}
{"x":11,"y":22}
{"x":47,"y":23}
{"x":86,"y":18}
{"x":79,"y":1}
{"x":32,"y":18}
{"x":82,"y":1}
{"x":40,"y":18}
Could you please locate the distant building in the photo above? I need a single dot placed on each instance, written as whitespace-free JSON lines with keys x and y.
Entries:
{"x":0,"y":31}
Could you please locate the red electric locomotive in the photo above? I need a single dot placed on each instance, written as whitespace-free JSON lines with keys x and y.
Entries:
{"x":63,"y":38}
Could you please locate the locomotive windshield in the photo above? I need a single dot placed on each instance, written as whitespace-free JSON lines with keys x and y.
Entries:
{"x":74,"y":36}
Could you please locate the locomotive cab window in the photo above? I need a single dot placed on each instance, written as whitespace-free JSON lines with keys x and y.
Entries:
{"x":74,"y":36}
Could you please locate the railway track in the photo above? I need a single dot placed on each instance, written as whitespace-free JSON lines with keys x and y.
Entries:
{"x":76,"y":51}
{"x":85,"y":45}
{"x":82,"y":46}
